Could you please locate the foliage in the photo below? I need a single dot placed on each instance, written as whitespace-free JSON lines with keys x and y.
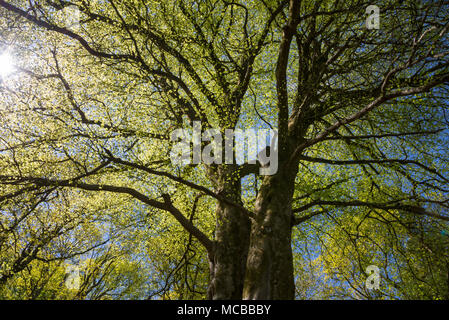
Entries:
{"x":85,"y":123}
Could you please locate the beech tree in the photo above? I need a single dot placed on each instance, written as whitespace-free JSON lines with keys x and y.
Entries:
{"x":360,"y":114}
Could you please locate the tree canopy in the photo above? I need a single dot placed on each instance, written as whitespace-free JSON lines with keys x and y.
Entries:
{"x":98,"y":87}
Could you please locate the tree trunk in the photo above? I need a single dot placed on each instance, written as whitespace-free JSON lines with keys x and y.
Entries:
{"x":269,"y":270}
{"x":228,"y":263}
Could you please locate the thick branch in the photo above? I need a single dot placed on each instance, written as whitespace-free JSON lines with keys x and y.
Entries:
{"x":359,"y":114}
{"x":384,"y":206}
{"x":165,"y":206}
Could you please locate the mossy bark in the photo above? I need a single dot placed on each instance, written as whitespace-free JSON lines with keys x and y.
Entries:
{"x":269,"y":269}
{"x":228,"y":262}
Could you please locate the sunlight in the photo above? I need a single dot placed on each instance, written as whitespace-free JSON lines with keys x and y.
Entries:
{"x":6,"y":64}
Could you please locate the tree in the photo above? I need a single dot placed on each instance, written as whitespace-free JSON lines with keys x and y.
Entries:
{"x":409,"y":251}
{"x":359,"y":113}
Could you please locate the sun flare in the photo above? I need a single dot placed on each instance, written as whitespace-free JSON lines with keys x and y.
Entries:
{"x":6,"y":64}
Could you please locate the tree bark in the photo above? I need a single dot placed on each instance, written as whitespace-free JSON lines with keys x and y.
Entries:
{"x":228,"y":262}
{"x":269,"y":270}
